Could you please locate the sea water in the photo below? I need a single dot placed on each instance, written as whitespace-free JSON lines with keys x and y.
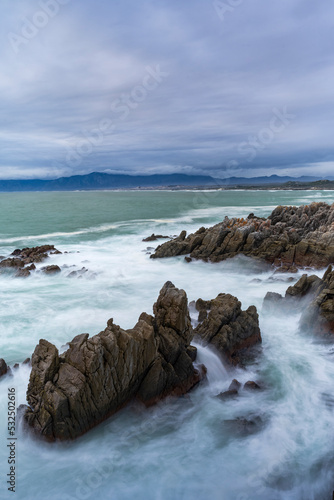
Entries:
{"x":195,"y":447}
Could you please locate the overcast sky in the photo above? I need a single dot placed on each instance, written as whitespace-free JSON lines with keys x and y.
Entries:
{"x":224,"y":88}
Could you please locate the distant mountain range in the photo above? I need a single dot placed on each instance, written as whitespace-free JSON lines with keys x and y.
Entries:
{"x":100,"y":180}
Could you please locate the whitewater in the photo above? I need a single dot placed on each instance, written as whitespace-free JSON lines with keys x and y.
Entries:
{"x":180,"y":449}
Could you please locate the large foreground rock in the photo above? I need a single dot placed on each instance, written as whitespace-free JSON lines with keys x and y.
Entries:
{"x":70,"y":393}
{"x":291,"y":237}
{"x":226,"y":327}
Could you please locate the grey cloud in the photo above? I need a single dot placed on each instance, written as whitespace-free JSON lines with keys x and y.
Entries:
{"x":225,"y":78}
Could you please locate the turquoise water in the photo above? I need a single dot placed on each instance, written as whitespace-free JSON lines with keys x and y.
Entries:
{"x":179,"y":449}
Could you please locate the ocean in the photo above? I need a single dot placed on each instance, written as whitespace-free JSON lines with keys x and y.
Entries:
{"x":181,"y":449}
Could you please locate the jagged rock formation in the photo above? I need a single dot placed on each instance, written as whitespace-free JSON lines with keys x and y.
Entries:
{"x":318,"y":317}
{"x":315,"y":296}
{"x":296,"y":296}
{"x":224,"y":325}
{"x":70,"y":393}
{"x":24,"y":260}
{"x":290,"y":238}
{"x":3,"y":367}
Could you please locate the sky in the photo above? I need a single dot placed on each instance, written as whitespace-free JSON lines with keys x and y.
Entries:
{"x":222,"y":88}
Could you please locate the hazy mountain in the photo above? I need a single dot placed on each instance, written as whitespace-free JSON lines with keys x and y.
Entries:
{"x":100,"y":180}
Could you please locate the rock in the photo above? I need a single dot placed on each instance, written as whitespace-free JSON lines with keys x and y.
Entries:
{"x":318,"y":317}
{"x":25,"y":271}
{"x":314,"y":296}
{"x":26,"y":361}
{"x":306,"y":285}
{"x":71,"y":393}
{"x":22,"y":273}
{"x":188,"y":259}
{"x":228,"y":394}
{"x":16,"y":366}
{"x":155,"y":237}
{"x":290,"y":238}
{"x":11,"y":263}
{"x":192,"y":352}
{"x":226,"y":327}
{"x":252,"y":386}
{"x":51,"y":269}
{"x":77,"y":274}
{"x":3,"y":367}
{"x":24,"y":259}
{"x":242,"y":427}
{"x":234,"y":385}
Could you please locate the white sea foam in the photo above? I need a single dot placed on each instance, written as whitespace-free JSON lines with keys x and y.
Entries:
{"x":192,"y":447}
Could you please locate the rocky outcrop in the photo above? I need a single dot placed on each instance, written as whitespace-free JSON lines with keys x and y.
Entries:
{"x":296,"y":296}
{"x":314,"y":296}
{"x":318,"y":317}
{"x":24,"y":260}
{"x":70,"y":393}
{"x":3,"y":367}
{"x":225,"y":326}
{"x":290,"y":238}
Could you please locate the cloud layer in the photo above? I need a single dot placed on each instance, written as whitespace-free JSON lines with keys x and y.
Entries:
{"x":211,"y":87}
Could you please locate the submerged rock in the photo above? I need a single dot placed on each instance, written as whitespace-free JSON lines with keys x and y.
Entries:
{"x":228,"y":394}
{"x":51,"y":269}
{"x":252,"y":386}
{"x":291,"y":237}
{"x":155,"y":237}
{"x":70,"y":393}
{"x":225,"y":326}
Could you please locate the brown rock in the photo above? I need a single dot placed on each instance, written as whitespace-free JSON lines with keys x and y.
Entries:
{"x":226,"y":327}
{"x":228,"y":394}
{"x":318,"y":317}
{"x":252,"y":386}
{"x":71,"y":393}
{"x":3,"y":367}
{"x":51,"y":269}
{"x":291,"y":237}
{"x":234,"y":385}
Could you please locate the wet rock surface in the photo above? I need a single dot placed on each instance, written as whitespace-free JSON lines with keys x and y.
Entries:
{"x":3,"y":367}
{"x":290,"y":238}
{"x":70,"y":393}
{"x":226,"y":327}
{"x":24,"y":260}
{"x":314,"y":296}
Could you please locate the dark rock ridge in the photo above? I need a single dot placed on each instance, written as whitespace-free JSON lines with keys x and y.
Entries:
{"x":291,"y":237}
{"x":155,"y":237}
{"x":24,"y":260}
{"x":70,"y":393}
{"x":225,"y":326}
{"x":3,"y":367}
{"x":315,"y":296}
